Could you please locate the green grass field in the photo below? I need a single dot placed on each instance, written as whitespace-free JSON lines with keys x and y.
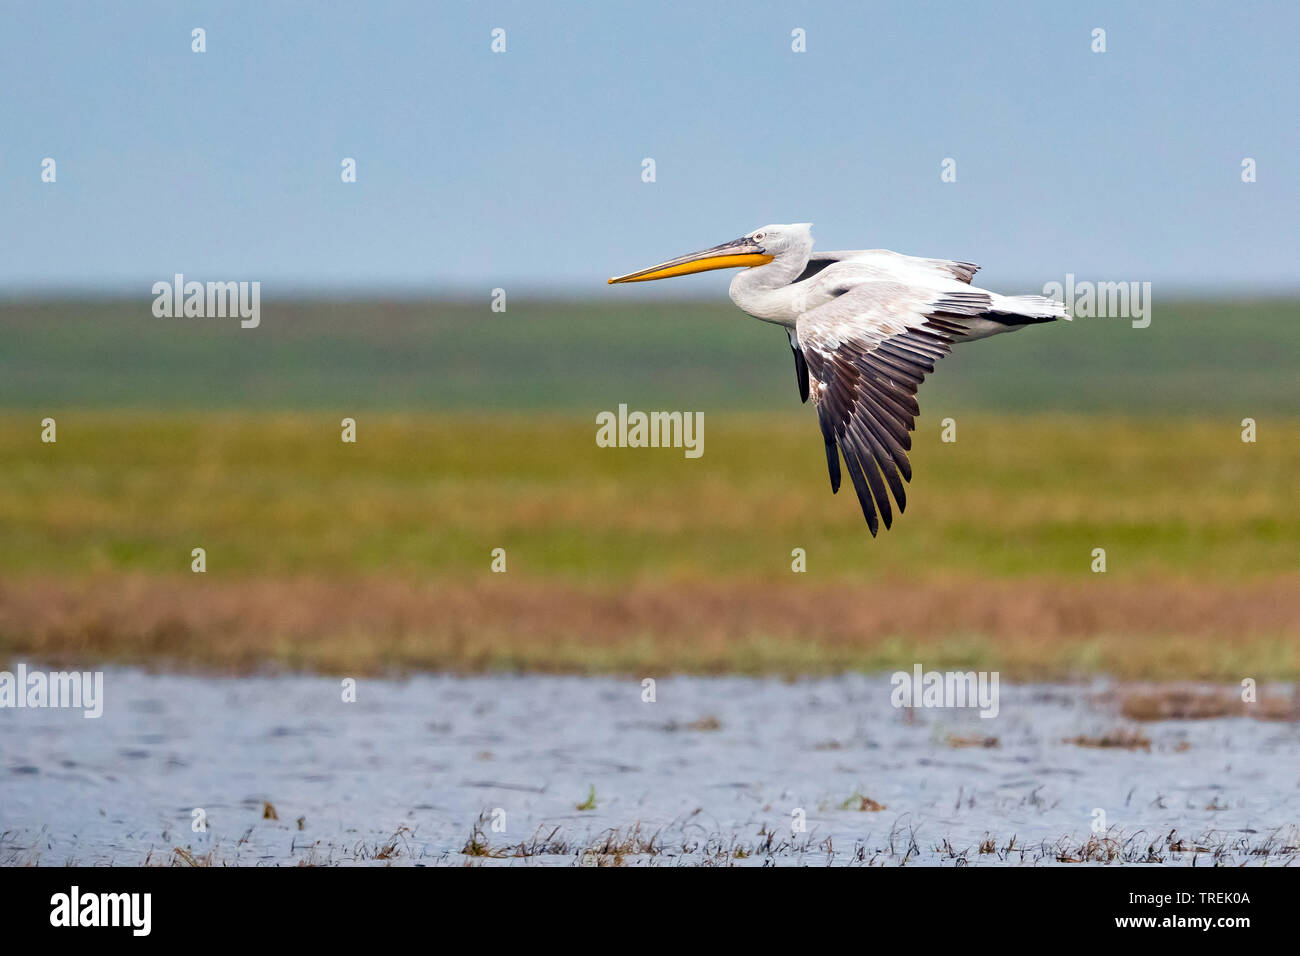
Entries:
{"x":279,"y":493}
{"x":476,"y":432}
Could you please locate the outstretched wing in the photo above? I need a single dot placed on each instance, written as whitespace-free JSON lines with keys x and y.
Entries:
{"x":867,"y":353}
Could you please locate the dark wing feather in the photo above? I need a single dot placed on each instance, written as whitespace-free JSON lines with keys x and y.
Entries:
{"x":800,"y":366}
{"x":961,"y":271}
{"x":867,"y":354}
{"x":816,"y":263}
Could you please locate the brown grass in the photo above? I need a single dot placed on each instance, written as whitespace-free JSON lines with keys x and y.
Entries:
{"x":862,"y":803}
{"x":1152,"y":630}
{"x":1184,"y":702}
{"x":1122,"y":738}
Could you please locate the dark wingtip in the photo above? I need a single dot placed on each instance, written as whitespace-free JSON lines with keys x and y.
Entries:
{"x":833,"y":466}
{"x":801,"y":372}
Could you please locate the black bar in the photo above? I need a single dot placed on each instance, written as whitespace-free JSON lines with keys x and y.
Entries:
{"x":301,"y":904}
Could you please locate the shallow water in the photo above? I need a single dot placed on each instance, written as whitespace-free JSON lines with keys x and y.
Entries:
{"x":711,"y":772}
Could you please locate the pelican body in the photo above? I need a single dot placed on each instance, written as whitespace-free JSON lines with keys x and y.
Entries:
{"x":866,"y":327}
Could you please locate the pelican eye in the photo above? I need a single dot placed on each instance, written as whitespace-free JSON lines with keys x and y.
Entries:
{"x":757,"y":237}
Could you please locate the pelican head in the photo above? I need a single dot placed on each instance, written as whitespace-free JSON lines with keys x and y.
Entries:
{"x":757,"y":248}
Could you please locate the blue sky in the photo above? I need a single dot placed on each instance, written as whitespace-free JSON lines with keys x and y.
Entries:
{"x":523,"y":169}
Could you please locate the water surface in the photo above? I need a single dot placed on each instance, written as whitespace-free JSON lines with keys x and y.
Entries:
{"x":715,"y":770}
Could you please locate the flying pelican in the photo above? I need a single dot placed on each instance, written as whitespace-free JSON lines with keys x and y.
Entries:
{"x":865,"y":327}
